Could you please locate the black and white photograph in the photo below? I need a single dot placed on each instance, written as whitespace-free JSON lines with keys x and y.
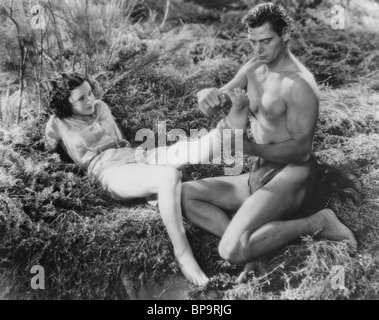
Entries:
{"x":198,"y":151}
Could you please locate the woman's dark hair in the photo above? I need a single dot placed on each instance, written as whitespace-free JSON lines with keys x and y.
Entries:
{"x":60,"y":91}
{"x":278,"y":17}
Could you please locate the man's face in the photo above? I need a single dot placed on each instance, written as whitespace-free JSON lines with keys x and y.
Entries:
{"x":82,"y":100}
{"x":266,"y":43}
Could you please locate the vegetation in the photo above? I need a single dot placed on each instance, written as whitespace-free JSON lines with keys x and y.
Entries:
{"x":149,"y":59}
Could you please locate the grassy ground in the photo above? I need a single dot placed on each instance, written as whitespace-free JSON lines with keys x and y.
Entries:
{"x":51,"y":216}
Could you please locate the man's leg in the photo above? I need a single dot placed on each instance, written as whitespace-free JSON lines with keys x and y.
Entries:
{"x":207,"y":202}
{"x":261,"y":225}
{"x":276,"y":234}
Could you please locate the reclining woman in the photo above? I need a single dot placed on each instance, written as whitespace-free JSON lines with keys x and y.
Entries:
{"x":86,"y":130}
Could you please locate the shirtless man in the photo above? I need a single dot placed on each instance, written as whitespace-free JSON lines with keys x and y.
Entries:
{"x":282,"y":112}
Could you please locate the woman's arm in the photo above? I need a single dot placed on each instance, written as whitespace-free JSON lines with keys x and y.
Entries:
{"x":52,"y":135}
{"x":111,"y":120}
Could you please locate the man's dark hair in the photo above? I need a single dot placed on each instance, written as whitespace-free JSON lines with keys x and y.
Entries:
{"x":60,"y":92}
{"x":278,"y":17}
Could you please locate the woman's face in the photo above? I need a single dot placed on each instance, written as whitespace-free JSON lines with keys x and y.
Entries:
{"x":82,"y":100}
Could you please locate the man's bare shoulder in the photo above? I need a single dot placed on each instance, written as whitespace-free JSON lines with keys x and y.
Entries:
{"x":300,"y":76}
{"x":301,"y":81}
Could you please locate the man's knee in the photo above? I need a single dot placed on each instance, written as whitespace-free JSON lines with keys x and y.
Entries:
{"x":232,"y":251}
{"x":187,"y":198}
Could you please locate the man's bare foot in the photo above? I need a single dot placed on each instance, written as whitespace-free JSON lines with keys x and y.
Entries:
{"x":334,"y":230}
{"x":239,"y":112}
{"x":191,"y":269}
{"x":249,"y":267}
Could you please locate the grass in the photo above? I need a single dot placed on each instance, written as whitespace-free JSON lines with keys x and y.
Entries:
{"x":50,"y":215}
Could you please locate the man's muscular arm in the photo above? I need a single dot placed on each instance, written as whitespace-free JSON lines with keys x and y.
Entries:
{"x":302,"y":116}
{"x":239,"y":80}
{"x":210,"y":98}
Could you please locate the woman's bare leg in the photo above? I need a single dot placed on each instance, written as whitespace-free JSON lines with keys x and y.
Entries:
{"x":207,"y":148}
{"x":135,"y":181}
{"x":196,"y":151}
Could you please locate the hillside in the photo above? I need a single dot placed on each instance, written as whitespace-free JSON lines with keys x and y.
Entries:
{"x":149,"y":60}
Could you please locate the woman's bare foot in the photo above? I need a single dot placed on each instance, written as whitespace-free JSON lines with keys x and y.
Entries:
{"x":239,"y":112}
{"x":334,"y":230}
{"x":191,"y":269}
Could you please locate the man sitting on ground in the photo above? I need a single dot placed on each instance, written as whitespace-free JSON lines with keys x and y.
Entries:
{"x":272,"y":202}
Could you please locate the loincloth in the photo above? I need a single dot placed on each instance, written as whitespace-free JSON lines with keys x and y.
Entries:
{"x":262,"y":171}
{"x":322,"y":184}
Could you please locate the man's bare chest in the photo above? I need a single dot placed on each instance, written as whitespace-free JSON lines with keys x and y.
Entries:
{"x":267,"y":97}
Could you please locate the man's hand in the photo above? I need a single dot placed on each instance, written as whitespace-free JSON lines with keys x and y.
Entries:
{"x":210,"y":100}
